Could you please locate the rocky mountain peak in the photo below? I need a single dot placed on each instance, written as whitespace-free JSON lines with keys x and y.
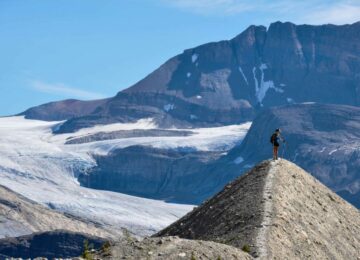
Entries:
{"x":279,"y":211}
{"x":230,"y":81}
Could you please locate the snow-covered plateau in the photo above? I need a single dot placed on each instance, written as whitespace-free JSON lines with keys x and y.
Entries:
{"x":40,"y":166}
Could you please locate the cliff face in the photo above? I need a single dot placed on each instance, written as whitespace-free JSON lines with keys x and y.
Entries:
{"x":176,"y":176}
{"x":230,"y":81}
{"x":280,"y":212}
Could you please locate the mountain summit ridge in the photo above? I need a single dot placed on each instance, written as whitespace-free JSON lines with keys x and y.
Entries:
{"x":280,"y":212}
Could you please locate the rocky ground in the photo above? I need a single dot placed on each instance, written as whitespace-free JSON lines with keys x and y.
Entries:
{"x":308,"y":221}
{"x":280,"y":212}
{"x":171,"y":248}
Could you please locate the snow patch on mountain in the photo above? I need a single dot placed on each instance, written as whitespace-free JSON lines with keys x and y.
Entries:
{"x":194,"y":57}
{"x":169,"y":107}
{"x":262,"y":88}
{"x":290,"y":100}
{"x":242,"y":73}
{"x":238,"y":160}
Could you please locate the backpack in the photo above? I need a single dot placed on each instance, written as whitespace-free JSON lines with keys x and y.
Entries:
{"x":273,"y":138}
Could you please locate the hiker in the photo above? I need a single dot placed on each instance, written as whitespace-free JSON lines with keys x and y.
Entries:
{"x":275,"y":140}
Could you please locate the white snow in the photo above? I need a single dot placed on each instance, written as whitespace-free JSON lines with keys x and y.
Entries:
{"x":238,"y":160}
{"x":242,"y":73}
{"x":262,"y":88}
{"x":263,"y":66}
{"x":194,"y":57}
{"x":38,"y":165}
{"x":203,"y":139}
{"x":308,"y":103}
{"x":169,"y":107}
{"x":199,"y":97}
{"x":188,"y":74}
{"x":42,"y":171}
{"x":333,"y":151}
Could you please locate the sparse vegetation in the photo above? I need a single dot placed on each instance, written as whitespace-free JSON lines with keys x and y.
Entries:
{"x":105,"y":248}
{"x":87,"y":251}
{"x":127,"y":235}
{"x":246,"y":248}
{"x":219,"y":258}
{"x":193,"y":256}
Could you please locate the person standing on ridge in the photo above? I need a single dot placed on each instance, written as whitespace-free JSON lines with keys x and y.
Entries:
{"x":275,"y":141}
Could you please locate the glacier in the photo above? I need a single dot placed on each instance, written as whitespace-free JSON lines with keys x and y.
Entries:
{"x":40,"y":166}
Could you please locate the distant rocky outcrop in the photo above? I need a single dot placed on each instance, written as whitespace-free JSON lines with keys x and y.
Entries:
{"x":21,"y":216}
{"x":277,"y":211}
{"x":50,"y":245}
{"x":62,"y":110}
{"x":230,"y":81}
{"x":321,"y":138}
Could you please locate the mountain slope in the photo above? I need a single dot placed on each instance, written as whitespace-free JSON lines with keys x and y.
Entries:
{"x":280,"y":212}
{"x":21,"y":216}
{"x":321,"y":138}
{"x":228,"y":82}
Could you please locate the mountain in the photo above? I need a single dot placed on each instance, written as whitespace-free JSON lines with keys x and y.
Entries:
{"x":229,"y":82}
{"x":21,"y":216}
{"x":51,"y":244}
{"x":277,"y":211}
{"x":321,"y":138}
{"x":62,"y":110}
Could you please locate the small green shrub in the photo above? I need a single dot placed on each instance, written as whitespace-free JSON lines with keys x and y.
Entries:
{"x":86,"y":253}
{"x":193,"y":256}
{"x":127,"y":235}
{"x":246,"y":248}
{"x":105,"y":248}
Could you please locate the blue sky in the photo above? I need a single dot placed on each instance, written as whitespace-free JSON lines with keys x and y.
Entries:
{"x":89,"y":49}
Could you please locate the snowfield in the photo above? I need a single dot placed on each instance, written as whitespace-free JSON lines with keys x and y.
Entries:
{"x":37,"y":164}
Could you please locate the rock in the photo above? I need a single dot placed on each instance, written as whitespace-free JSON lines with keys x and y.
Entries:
{"x":174,"y":248}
